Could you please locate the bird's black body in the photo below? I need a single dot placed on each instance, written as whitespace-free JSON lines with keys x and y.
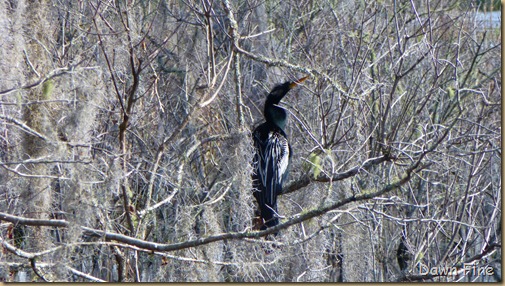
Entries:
{"x":273,"y":153}
{"x":271,"y":163}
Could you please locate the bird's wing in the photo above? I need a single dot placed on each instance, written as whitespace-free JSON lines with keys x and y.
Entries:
{"x":273,"y":165}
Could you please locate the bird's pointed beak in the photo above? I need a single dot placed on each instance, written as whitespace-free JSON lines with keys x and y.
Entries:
{"x":297,"y":82}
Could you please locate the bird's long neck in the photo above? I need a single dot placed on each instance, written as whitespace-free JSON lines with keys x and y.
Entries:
{"x":275,"y":115}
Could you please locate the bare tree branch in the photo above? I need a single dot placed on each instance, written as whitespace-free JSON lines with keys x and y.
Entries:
{"x":307,"y":179}
{"x":31,"y":221}
{"x":220,"y":237}
{"x":55,"y":73}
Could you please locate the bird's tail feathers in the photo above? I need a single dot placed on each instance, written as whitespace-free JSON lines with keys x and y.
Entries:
{"x":269,"y":216}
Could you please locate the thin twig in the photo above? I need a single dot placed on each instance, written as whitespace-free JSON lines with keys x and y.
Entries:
{"x":55,"y":73}
{"x":25,"y":127}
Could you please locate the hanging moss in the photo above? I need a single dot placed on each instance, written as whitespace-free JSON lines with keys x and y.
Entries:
{"x":47,"y":89}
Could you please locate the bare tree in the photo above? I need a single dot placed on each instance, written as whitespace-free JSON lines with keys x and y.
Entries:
{"x":125,"y":141}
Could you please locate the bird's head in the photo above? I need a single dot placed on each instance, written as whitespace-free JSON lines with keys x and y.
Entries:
{"x":274,"y":114}
{"x":279,"y":91}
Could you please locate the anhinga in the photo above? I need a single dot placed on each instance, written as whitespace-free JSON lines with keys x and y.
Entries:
{"x":273,"y":153}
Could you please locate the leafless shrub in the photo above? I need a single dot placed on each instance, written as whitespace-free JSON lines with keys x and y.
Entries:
{"x":125,"y":141}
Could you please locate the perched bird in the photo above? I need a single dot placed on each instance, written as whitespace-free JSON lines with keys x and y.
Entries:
{"x":273,"y":153}
{"x":403,"y":255}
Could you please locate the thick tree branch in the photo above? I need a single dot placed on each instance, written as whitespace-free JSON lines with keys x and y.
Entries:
{"x":306,"y":179}
{"x":31,"y":221}
{"x":224,"y":236}
{"x":254,"y":234}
